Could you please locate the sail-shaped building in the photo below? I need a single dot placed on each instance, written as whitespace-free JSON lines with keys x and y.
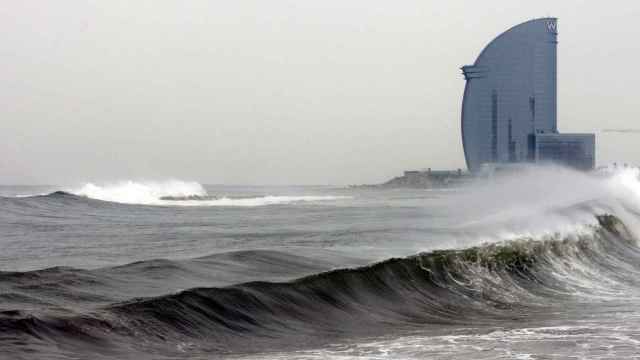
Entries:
{"x":509,"y":108}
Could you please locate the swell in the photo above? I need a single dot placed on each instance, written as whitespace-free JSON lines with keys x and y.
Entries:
{"x":68,"y":289}
{"x":485,"y":285}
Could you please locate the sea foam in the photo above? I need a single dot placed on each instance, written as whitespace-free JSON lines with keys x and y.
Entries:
{"x":182,"y":193}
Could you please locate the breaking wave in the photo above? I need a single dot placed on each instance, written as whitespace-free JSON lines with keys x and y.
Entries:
{"x":177,"y":193}
{"x":491,"y":284}
{"x":562,"y":255}
{"x":147,"y":193}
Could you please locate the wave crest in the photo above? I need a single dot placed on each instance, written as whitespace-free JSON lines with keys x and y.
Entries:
{"x":182,"y":193}
{"x":148,"y":193}
{"x":485,"y":284}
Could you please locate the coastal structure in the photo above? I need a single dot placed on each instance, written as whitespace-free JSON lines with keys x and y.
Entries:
{"x":424,"y":179}
{"x":509,"y":108}
{"x":427,"y":179}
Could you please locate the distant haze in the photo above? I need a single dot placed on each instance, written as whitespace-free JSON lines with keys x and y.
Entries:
{"x":281,"y":92}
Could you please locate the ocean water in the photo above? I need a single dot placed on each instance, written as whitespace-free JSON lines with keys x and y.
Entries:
{"x":544,"y":264}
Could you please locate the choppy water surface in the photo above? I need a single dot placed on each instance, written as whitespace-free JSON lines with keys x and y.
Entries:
{"x":545,"y":264}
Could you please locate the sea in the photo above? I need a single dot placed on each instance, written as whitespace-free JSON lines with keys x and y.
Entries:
{"x":542,"y":264}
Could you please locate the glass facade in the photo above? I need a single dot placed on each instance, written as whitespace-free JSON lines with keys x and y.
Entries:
{"x":573,"y":150}
{"x":510,"y":96}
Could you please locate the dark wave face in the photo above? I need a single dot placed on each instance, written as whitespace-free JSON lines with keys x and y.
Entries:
{"x":524,"y":280}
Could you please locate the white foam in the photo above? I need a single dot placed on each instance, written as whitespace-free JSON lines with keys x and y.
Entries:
{"x":625,"y":185}
{"x":541,"y":202}
{"x":257,"y":201}
{"x":153,"y":192}
{"x":148,"y":193}
{"x":586,"y":342}
{"x":21,"y":196}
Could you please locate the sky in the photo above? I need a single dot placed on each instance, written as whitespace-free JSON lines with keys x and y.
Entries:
{"x":282,"y":92}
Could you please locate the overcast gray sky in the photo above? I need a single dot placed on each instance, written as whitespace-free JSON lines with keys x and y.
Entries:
{"x":281,"y":92}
